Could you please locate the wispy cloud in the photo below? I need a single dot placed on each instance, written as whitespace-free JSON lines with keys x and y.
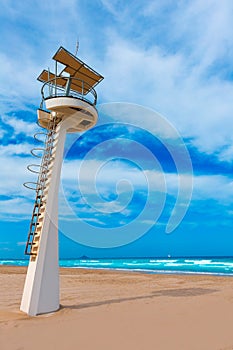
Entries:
{"x":206,"y":187}
{"x":20,"y":126}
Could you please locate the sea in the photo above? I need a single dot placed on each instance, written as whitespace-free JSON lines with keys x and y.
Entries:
{"x":208,"y":266}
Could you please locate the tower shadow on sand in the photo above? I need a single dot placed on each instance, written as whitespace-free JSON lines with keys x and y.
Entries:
{"x":179,"y":292}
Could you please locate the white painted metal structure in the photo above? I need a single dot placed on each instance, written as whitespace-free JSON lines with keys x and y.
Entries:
{"x":67,"y":109}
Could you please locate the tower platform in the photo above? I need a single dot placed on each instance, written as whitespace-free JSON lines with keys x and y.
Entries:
{"x":82,"y":114}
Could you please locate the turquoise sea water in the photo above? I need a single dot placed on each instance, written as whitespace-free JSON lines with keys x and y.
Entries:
{"x":216,"y":266}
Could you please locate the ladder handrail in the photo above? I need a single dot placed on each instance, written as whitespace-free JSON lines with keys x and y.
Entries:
{"x":41,"y":185}
{"x":40,"y":133}
{"x":37,"y":166}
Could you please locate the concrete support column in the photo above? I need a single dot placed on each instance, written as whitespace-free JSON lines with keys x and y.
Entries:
{"x":41,"y":289}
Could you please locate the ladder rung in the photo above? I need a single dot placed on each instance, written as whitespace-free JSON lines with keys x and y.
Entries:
{"x":36,"y":214}
{"x":34,"y":223}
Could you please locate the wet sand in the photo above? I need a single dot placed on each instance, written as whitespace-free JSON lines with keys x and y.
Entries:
{"x":108,"y":310}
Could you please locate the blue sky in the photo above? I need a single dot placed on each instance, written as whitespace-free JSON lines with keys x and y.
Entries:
{"x":173,"y":57}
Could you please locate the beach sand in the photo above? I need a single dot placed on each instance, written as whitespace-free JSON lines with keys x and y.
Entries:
{"x":108,"y":310}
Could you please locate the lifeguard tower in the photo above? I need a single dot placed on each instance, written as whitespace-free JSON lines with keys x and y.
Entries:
{"x":68,"y":106}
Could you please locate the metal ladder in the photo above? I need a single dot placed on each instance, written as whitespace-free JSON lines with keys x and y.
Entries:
{"x":42,"y":185}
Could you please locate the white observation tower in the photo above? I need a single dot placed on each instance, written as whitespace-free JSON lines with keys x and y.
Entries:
{"x":68,"y":106}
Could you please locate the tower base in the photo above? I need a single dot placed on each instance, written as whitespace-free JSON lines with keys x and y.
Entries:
{"x":41,"y":289}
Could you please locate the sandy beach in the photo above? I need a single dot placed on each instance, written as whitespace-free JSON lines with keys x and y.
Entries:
{"x":108,"y":310}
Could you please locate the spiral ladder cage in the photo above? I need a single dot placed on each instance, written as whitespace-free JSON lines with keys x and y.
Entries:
{"x":41,"y":185}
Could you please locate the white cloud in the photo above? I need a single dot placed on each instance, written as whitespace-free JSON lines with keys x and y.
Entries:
{"x":15,"y":149}
{"x":199,"y":108}
{"x":111,"y":7}
{"x":184,"y":69}
{"x":29,"y":42}
{"x":227,"y":153}
{"x":2,"y":132}
{"x":205,"y":30}
{"x":19,"y":204}
{"x":95,"y":172}
{"x":21,"y":243}
{"x":15,"y":209}
{"x":18,"y":86}
{"x":217,"y":187}
{"x":13,"y":174}
{"x":20,"y":126}
{"x":206,"y":187}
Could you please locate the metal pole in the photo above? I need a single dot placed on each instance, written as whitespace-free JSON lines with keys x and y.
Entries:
{"x":49,"y":82}
{"x":56,"y":78}
{"x":68,"y":86}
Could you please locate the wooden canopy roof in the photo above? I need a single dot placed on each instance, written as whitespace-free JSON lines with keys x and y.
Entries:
{"x":76,"y":69}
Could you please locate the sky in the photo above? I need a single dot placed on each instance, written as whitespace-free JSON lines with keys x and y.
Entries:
{"x":154,"y":177}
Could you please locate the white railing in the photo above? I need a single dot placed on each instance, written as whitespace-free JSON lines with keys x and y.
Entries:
{"x":83,"y":91}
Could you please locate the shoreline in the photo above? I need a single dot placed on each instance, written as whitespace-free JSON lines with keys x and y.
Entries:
{"x":109,"y":309}
{"x":143,"y":271}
